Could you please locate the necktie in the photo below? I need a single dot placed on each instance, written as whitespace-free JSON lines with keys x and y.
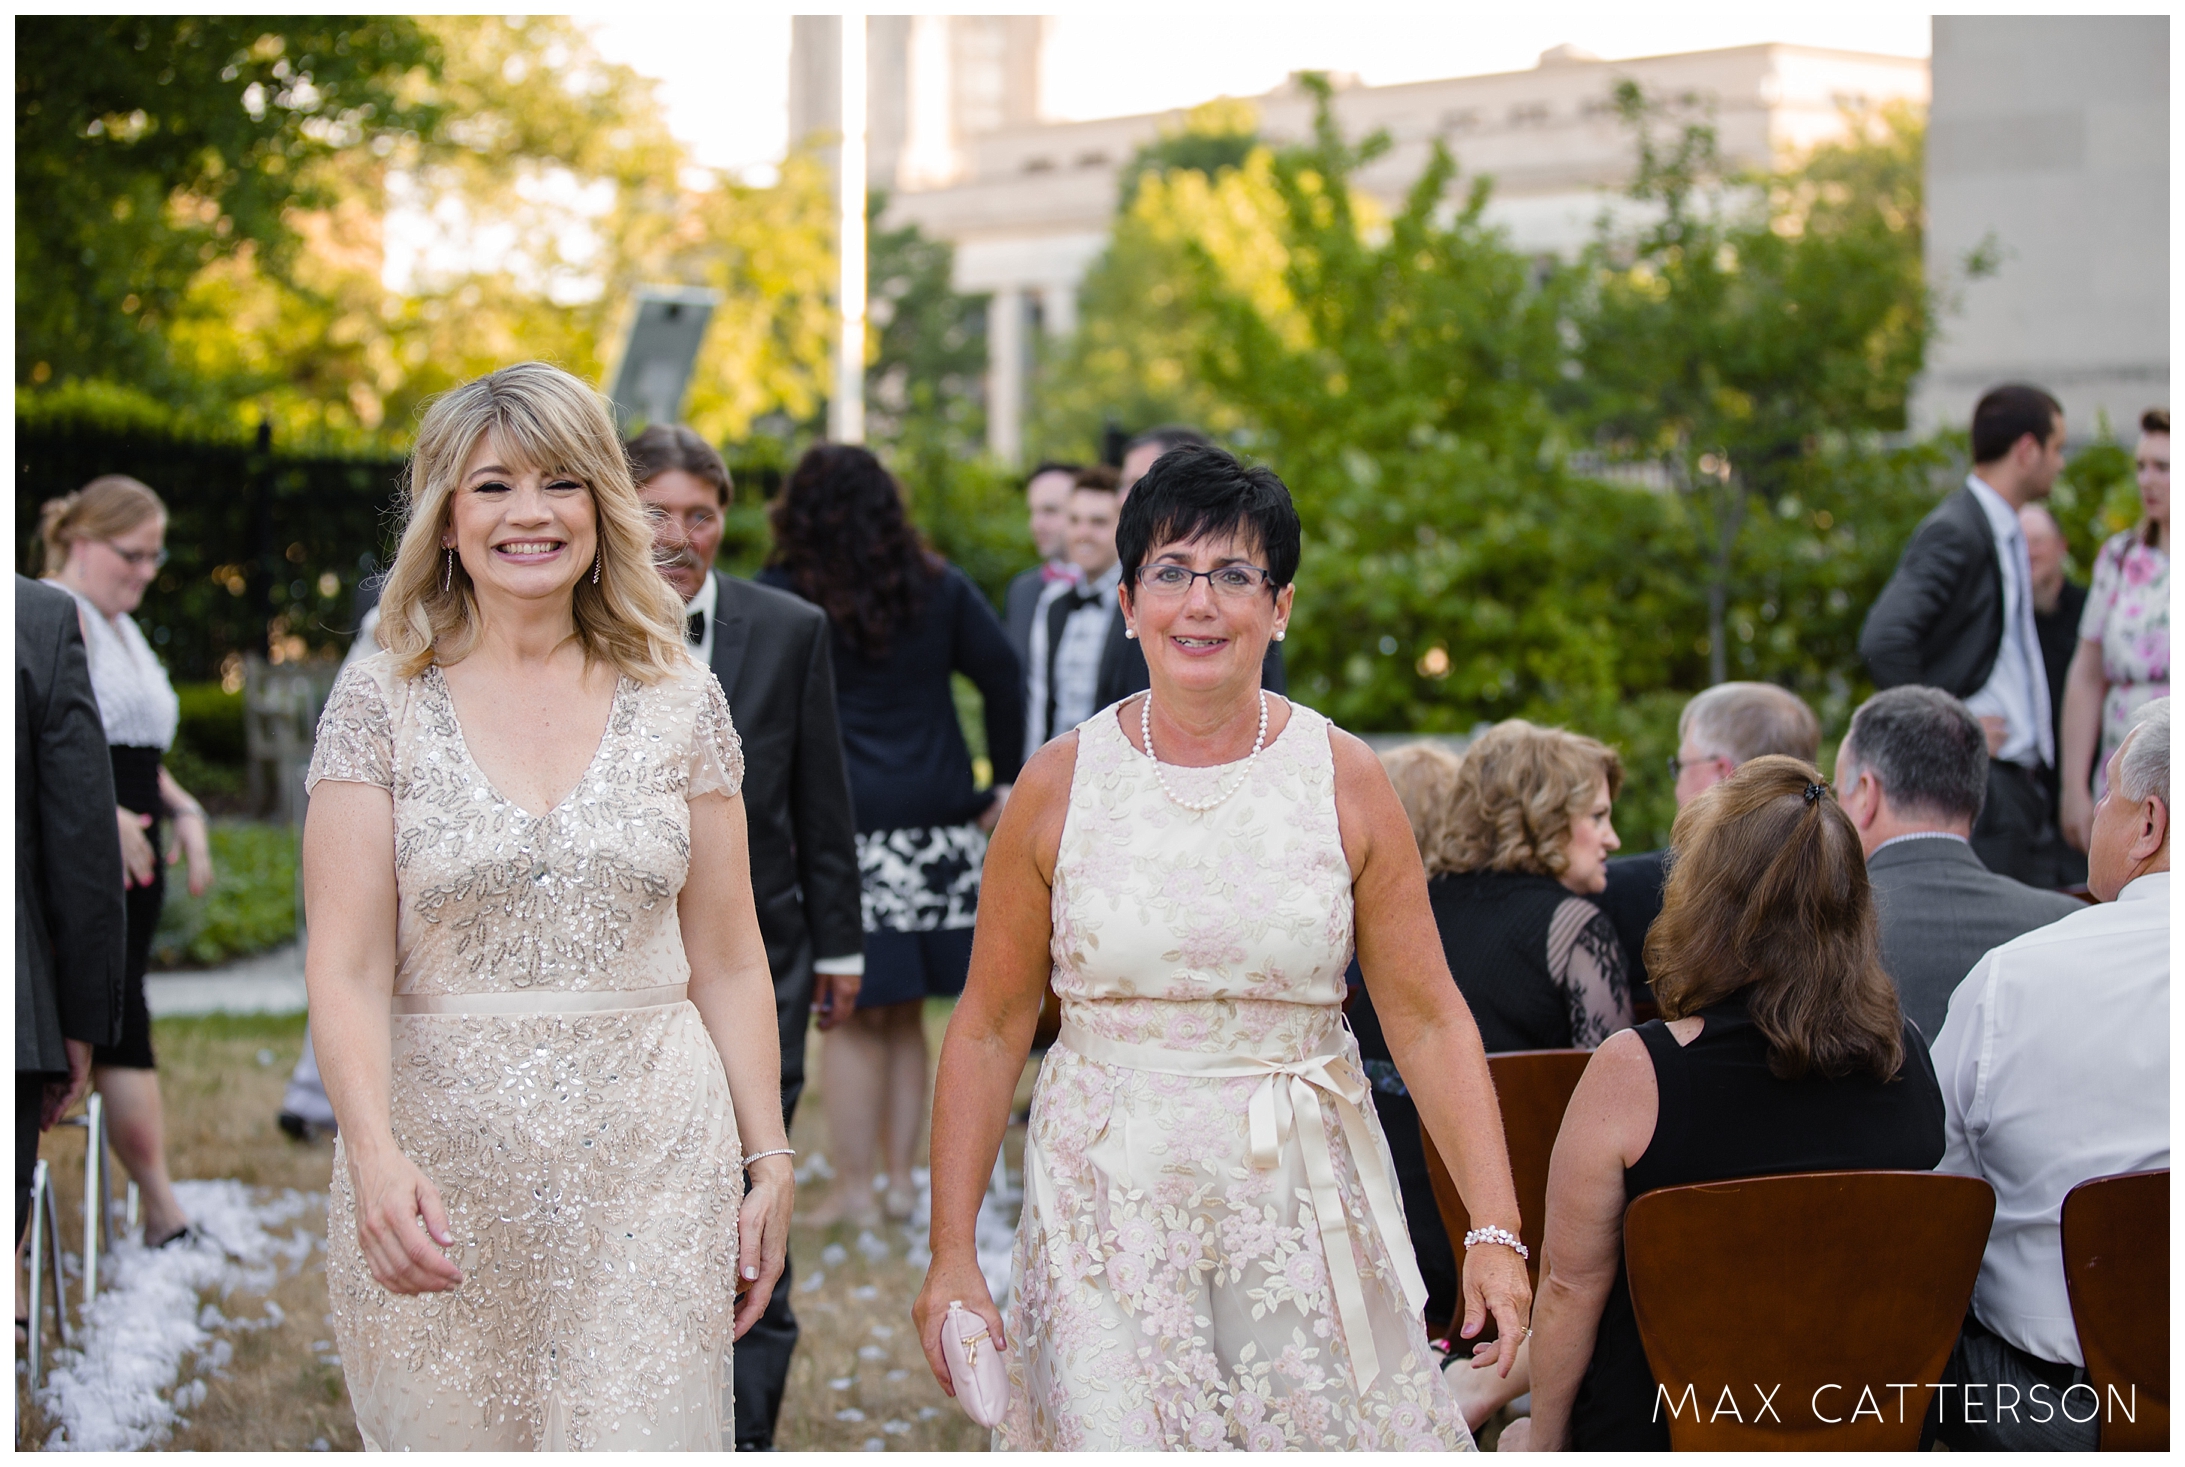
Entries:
{"x":697,"y":631}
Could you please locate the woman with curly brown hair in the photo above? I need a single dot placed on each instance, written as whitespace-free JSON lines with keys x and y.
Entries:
{"x":904,"y":621}
{"x":1780,"y":1049}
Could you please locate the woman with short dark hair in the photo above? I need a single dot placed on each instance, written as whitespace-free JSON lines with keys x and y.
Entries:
{"x":1780,"y":1049}
{"x":904,"y":621}
{"x":1211,"y":1253}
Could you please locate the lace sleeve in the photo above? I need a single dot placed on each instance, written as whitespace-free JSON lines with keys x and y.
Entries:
{"x":1587,"y":963}
{"x":356,"y":737}
{"x":716,"y":754}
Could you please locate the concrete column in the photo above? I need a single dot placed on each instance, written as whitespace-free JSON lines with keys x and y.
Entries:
{"x":1060,"y":305}
{"x":1005,"y":374}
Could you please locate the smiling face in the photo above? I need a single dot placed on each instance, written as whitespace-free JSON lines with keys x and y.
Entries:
{"x":1092,"y":531}
{"x":1593,"y":840}
{"x":689,"y":522}
{"x":521,"y":532}
{"x":1047,"y":501}
{"x":2152,"y":463}
{"x":115,"y":573}
{"x":1206,"y":640}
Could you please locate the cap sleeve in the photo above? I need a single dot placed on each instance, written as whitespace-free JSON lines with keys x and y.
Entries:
{"x":717,"y":754}
{"x":356,"y":737}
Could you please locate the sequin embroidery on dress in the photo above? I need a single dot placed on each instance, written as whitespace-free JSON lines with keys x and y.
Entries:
{"x":1202,"y":1133}
{"x":588,"y":1157}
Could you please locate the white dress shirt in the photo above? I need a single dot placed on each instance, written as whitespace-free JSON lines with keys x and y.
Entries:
{"x":1076,"y":670}
{"x":708,"y":597}
{"x":2017,"y":691}
{"x":1035,"y":669}
{"x":2055,"y":1069}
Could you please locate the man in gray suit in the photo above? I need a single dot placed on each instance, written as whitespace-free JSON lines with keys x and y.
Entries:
{"x":1911,"y":773}
{"x":69,"y":924}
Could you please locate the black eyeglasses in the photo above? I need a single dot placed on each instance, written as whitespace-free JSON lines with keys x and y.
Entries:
{"x":1174,"y":581}
{"x":138,"y":559}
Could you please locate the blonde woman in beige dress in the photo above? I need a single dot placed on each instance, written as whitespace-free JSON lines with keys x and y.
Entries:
{"x":538,"y":993}
{"x":1213,"y":1251}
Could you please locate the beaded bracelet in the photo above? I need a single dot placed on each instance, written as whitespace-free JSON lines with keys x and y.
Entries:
{"x":1503,"y":1236}
{"x":784,"y":1151}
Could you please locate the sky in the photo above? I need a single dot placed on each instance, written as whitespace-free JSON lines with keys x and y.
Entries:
{"x":724,"y":77}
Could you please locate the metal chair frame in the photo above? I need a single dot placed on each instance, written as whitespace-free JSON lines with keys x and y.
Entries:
{"x":45,"y":1234}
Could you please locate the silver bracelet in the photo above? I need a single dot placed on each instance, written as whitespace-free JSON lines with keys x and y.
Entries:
{"x":1503,"y":1236}
{"x":783,"y":1151}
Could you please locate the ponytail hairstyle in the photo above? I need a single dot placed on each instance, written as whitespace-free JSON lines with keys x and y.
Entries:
{"x":1768,"y":891}
{"x":110,"y":505}
{"x":537,"y":417}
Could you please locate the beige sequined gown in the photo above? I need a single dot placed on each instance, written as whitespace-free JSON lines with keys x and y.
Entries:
{"x":554,"y":1083}
{"x":1213,"y":1252}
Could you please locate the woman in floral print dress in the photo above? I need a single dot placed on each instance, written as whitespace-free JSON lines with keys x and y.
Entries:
{"x":1212,"y":1252}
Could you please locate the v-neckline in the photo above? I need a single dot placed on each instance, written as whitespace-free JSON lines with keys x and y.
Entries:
{"x":462,"y":741}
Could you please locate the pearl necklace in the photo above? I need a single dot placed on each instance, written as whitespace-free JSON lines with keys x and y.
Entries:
{"x":1145,"y":732}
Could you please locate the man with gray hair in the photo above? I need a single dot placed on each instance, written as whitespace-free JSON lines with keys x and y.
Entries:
{"x":1717,"y":731}
{"x":2055,"y":1069}
{"x":1911,"y":774}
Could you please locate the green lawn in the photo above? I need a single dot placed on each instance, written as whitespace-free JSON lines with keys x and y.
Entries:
{"x":252,"y":904}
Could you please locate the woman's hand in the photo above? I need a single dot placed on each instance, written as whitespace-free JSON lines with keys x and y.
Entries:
{"x":1495,"y":1283}
{"x":139,"y":861}
{"x":192,"y":840}
{"x":2077,"y":816}
{"x":762,"y":1237}
{"x":950,"y":1279}
{"x":392,"y":1195}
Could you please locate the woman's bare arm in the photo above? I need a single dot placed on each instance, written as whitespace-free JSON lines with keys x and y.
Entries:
{"x":1608,"y":1125}
{"x":1430,"y":1031}
{"x":990,"y":1034}
{"x":2085,"y":687}
{"x":349,"y":974}
{"x":733,"y":991}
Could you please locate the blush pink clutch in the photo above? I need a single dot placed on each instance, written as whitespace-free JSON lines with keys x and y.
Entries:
{"x":975,"y":1367}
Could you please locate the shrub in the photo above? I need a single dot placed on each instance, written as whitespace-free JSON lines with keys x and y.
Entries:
{"x":250,"y":909}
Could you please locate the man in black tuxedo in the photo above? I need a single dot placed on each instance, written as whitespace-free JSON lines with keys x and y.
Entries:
{"x":770,"y":652}
{"x":1122,"y":660}
{"x":1958,"y":614}
{"x":1047,"y":505}
{"x":69,"y":923}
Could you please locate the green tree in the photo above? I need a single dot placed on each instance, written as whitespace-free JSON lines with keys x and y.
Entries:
{"x":148,"y":147}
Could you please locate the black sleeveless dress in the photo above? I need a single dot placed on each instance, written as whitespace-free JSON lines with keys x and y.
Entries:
{"x":1721,"y":1114}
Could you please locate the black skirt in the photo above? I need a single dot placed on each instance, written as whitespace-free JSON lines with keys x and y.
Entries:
{"x":136,"y":787}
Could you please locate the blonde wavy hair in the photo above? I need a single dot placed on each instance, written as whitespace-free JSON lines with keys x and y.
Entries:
{"x":538,"y":417}
{"x":110,"y":505}
{"x":1519,"y":790}
{"x":1425,"y":777}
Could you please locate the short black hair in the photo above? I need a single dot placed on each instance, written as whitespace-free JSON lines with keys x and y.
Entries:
{"x":1170,"y":435}
{"x":1925,"y":749}
{"x":666,"y":446}
{"x":1051,"y":466}
{"x":2155,"y":420}
{"x":2008,"y":413}
{"x":1201,"y":492}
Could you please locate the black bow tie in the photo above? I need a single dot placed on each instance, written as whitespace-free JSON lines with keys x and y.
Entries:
{"x":697,"y":631}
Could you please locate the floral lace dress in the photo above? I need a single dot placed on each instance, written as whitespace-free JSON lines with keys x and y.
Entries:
{"x":2128,"y":613}
{"x":553,"y":1081}
{"x":1212,"y":1253}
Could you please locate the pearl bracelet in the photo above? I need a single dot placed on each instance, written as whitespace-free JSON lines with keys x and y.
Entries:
{"x":784,"y":1151}
{"x":1503,"y":1236}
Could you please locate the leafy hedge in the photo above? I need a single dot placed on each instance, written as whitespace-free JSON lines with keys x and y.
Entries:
{"x":250,"y":909}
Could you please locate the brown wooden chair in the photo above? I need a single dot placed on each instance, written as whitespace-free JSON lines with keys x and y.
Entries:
{"x":1534,"y":1087}
{"x":1798,"y":1302}
{"x":2117,"y":1267}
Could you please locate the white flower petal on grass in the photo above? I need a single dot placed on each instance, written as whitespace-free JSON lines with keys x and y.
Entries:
{"x":875,"y":1444}
{"x":864,"y":1292}
{"x":834,"y":1255}
{"x":842,"y":1382}
{"x":849,"y":1413}
{"x":115,"y":1390}
{"x":871,"y":1352}
{"x":811,"y":1282}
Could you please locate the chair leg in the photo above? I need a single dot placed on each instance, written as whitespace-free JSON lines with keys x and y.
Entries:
{"x":34,"y":1345}
{"x":94,"y":1157}
{"x":53,"y":1246}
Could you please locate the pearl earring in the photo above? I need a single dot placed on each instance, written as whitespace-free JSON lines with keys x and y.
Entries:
{"x":1280,"y":634}
{"x":595,"y":567}
{"x":447,"y":579}
{"x":1130,"y":633}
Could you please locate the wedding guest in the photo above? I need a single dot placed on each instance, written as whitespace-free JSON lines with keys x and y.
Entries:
{"x":2123,"y":657}
{"x":1211,"y":1252}
{"x":1122,"y":660}
{"x":103,"y":545}
{"x":71,"y":944}
{"x":2055,"y":1066}
{"x":1074,"y":622}
{"x":1912,"y":772}
{"x":770,"y":653}
{"x":539,"y":990}
{"x":1047,"y":503}
{"x":1780,"y":1049}
{"x":1958,"y":615}
{"x":1718,"y":730}
{"x":904,"y":620}
{"x":2058,"y":602}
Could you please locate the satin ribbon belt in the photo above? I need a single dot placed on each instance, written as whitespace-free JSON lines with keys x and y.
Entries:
{"x":1286,"y":1109}
{"x":541,"y":1001}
